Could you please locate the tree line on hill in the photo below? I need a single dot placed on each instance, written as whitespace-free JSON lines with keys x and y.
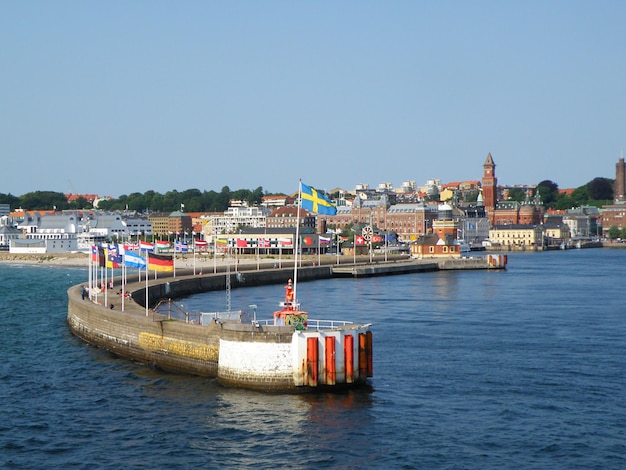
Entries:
{"x":193,"y":200}
{"x":597,"y":192}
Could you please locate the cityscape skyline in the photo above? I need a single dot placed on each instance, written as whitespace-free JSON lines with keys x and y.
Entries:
{"x":356,"y":188}
{"x":119,"y":98}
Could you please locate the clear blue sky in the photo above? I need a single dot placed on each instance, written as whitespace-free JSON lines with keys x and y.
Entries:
{"x":118,"y":97}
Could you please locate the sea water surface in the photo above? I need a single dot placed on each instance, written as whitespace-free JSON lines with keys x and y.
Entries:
{"x":523,"y":368}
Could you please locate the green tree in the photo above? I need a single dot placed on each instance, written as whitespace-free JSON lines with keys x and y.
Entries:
{"x":600,"y":189}
{"x":517,"y":194}
{"x":12,"y":201}
{"x":136,"y":202}
{"x":549,"y":191}
{"x":223,"y":199}
{"x":256,"y":196}
{"x":80,"y":203}
{"x":43,"y":200}
{"x":580,"y":196}
{"x":563,"y":202}
{"x":613,"y":232}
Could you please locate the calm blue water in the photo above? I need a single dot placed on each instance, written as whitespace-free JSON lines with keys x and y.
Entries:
{"x":524,"y":368}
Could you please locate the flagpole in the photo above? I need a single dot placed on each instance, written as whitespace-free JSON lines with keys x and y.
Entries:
{"x":297,"y":245}
{"x":106,"y":287}
{"x":123,"y":279}
{"x":89,"y":272}
{"x":319,"y":250}
{"x":146,"y":284}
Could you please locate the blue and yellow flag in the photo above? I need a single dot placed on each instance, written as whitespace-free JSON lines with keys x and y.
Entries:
{"x":314,"y":201}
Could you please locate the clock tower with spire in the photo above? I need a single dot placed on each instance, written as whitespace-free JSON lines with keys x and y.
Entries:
{"x":490,"y":185}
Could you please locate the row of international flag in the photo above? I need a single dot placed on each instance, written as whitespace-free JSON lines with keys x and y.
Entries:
{"x":116,"y":256}
{"x":260,"y":242}
{"x":162,"y":245}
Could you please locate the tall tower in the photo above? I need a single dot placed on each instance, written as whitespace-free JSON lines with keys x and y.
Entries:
{"x":490,"y":184}
{"x":619,"y":190}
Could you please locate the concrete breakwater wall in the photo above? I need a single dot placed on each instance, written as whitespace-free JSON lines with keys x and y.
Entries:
{"x":249,"y":355}
{"x":183,"y":286}
{"x":189,"y":285}
{"x":464,"y":263}
{"x":186,"y":284}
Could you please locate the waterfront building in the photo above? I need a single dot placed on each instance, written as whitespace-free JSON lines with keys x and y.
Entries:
{"x":619,"y":188}
{"x":286,"y":217}
{"x":7,"y":232}
{"x":97,"y":227}
{"x":474,"y":224}
{"x":234,"y":219}
{"x":431,"y":245}
{"x":52,"y":233}
{"x":364,"y":210}
{"x":615,"y":214}
{"x":86,"y":227}
{"x":582,"y":224}
{"x":442,"y":242}
{"x":276,"y":200}
{"x":44,"y":243}
{"x":166,"y":224}
{"x":136,"y":226}
{"x":265,"y":241}
{"x":556,"y":234}
{"x":517,"y":235}
{"x":160,"y":222}
{"x":409,"y":221}
{"x":515,"y":212}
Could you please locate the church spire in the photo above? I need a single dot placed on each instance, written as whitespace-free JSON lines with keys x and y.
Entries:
{"x":489,"y":160}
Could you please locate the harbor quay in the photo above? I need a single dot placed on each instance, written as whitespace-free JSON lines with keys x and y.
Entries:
{"x":293,"y":353}
{"x":247,"y":274}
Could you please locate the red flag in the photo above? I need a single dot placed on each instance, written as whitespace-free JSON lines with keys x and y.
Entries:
{"x":285,"y":242}
{"x":308,"y":241}
{"x":241,"y":243}
{"x":359,"y":240}
{"x":377,"y":239}
{"x":264,"y":243}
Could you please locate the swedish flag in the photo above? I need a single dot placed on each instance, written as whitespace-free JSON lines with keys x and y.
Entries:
{"x":313,"y":201}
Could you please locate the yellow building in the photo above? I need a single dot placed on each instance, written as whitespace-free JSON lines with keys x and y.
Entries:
{"x":556,"y":234}
{"x":516,"y":235}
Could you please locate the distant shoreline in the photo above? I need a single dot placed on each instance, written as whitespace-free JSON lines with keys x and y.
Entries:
{"x":57,"y":259}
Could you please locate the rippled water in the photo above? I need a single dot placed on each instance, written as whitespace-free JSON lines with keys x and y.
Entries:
{"x":499,"y":369}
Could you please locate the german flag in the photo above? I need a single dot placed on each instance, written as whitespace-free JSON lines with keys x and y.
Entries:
{"x":160,"y":263}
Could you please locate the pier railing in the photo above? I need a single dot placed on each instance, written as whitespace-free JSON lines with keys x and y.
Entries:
{"x":167,"y":309}
{"x":313,"y":324}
